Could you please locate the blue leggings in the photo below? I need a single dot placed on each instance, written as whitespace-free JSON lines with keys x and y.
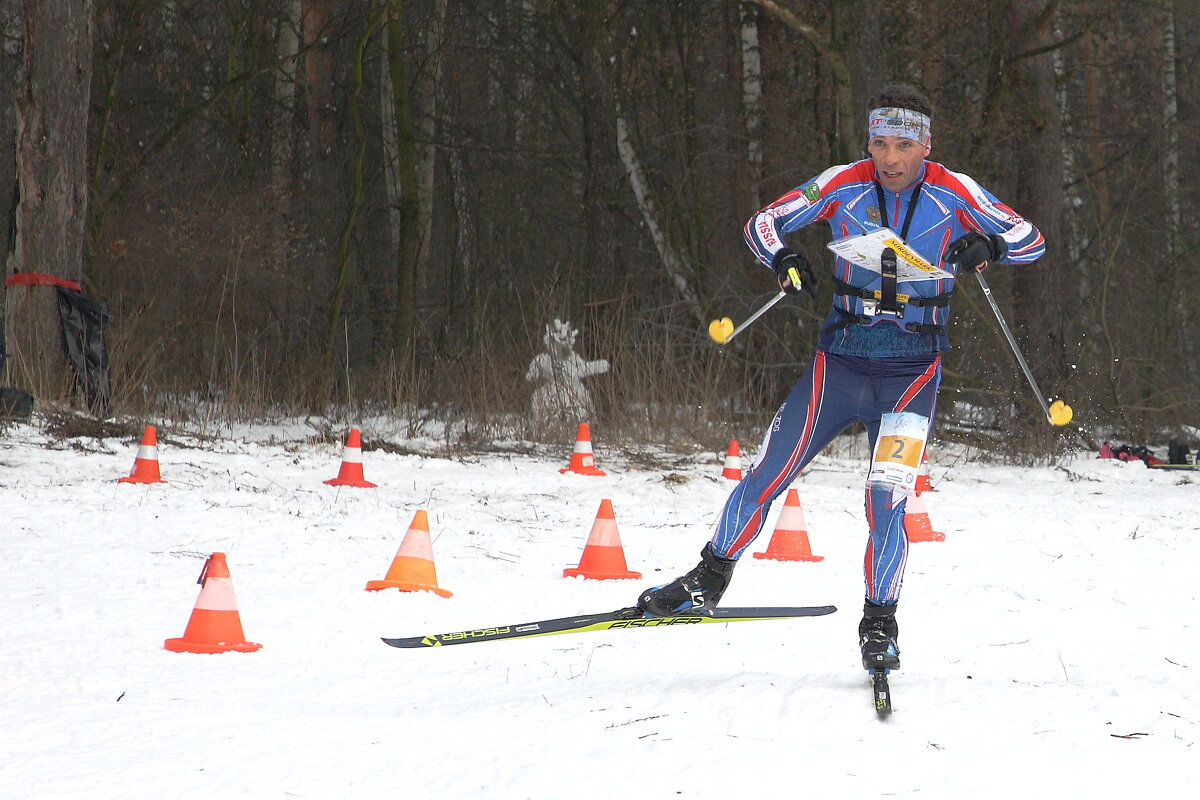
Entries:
{"x":835,"y":392}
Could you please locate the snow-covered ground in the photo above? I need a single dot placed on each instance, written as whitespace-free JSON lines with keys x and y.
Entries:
{"x":1050,"y":644}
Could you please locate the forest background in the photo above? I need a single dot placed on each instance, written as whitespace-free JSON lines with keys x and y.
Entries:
{"x":351,"y":206}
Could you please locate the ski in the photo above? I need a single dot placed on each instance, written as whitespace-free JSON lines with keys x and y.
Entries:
{"x":882,"y":692}
{"x":610,"y":620}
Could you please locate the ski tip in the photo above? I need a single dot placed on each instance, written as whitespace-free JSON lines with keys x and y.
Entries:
{"x":772,"y":611}
{"x":411,"y":643}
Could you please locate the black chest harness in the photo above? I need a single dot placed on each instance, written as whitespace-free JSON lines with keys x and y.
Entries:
{"x":873,"y":304}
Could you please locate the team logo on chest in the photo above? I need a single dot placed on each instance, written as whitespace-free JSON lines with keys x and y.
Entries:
{"x":873,"y":215}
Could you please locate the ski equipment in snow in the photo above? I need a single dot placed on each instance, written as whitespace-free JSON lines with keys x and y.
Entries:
{"x":877,"y":634}
{"x":882,"y":692}
{"x":1057,"y":413}
{"x":696,"y":592}
{"x":610,"y":620}
{"x":722,"y":330}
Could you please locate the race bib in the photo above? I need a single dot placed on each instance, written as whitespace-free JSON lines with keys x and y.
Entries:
{"x":898,"y":449}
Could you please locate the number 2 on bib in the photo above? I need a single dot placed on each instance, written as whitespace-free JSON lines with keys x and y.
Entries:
{"x":898,"y":449}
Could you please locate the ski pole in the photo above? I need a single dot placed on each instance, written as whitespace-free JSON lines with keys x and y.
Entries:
{"x":1062,"y":413}
{"x":716,"y":328}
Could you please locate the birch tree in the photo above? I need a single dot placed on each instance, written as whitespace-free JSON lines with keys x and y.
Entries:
{"x":752,"y":112}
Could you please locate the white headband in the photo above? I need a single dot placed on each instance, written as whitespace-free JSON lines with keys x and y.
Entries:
{"x":903,"y":122}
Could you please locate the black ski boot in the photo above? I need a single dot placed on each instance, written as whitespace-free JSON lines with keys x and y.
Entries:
{"x":697,"y":592}
{"x":877,"y":634}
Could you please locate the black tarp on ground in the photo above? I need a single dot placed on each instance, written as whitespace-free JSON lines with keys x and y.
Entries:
{"x":84,"y":322}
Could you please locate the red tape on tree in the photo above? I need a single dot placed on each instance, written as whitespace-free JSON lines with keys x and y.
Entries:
{"x":40,"y":279}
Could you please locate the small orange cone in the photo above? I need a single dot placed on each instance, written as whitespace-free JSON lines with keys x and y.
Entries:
{"x":916,"y":522}
{"x":603,"y":557}
{"x":351,"y":473}
{"x":145,"y":464}
{"x":214,"y":626}
{"x":923,"y":484}
{"x":733,"y":463}
{"x":789,"y":542}
{"x":582,"y":460}
{"x":412,"y":568}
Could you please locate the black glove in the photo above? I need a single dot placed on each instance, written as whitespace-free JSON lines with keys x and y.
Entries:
{"x":790,"y":265}
{"x":973,"y":248}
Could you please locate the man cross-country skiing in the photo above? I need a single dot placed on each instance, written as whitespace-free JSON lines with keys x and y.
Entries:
{"x":878,"y":358}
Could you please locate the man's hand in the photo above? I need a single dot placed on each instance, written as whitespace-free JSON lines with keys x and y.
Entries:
{"x":976,"y":250}
{"x":794,"y":273}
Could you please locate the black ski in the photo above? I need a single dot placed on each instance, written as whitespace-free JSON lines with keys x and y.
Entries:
{"x":882,"y":692}
{"x":609,"y":620}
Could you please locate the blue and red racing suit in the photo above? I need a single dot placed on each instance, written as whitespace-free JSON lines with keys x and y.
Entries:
{"x":867,"y":366}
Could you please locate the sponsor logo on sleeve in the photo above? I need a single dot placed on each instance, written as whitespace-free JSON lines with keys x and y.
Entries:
{"x":767,"y":233}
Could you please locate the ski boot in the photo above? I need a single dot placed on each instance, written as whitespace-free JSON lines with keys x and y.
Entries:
{"x":877,"y":635}
{"x":697,"y":592}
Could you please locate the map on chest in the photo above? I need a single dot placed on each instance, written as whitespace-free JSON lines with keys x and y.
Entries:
{"x":865,"y":250}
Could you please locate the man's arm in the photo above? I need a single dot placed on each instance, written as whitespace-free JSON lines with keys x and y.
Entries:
{"x":1021,"y":241}
{"x":802,"y":206}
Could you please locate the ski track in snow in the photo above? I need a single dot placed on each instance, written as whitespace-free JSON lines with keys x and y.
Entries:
{"x":1049,"y":643}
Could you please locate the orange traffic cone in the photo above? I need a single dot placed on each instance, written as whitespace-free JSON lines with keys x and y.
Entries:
{"x":923,"y":484}
{"x":582,"y":460}
{"x":916,"y":522}
{"x":351,"y":473}
{"x":603,"y":557}
{"x":214,"y":626}
{"x":733,"y":463}
{"x":145,"y":464}
{"x":789,"y":542}
{"x":412,"y":568}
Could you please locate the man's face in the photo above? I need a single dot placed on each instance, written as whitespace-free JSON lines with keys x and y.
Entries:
{"x":897,"y":160}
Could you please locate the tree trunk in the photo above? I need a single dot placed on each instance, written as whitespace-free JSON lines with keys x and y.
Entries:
{"x":858,"y":42}
{"x":427,"y":97}
{"x":283,"y":140}
{"x":9,"y":66}
{"x":403,"y":187}
{"x":318,"y":75}
{"x":752,"y":112}
{"x":1092,"y":118}
{"x":528,"y":10}
{"x":681,"y":273}
{"x":673,"y":262}
{"x":1170,"y":160}
{"x":318,"y":196}
{"x":282,"y":127}
{"x":464,"y":298}
{"x":345,"y":247}
{"x":849,"y":138}
{"x":1073,"y":201}
{"x":1041,"y":297}
{"x":52,"y":99}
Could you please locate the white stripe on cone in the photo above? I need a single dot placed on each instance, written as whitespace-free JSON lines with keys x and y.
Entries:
{"x":217,"y":595}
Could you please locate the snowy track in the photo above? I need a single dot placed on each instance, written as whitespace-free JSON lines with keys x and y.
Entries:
{"x":1049,"y":644}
